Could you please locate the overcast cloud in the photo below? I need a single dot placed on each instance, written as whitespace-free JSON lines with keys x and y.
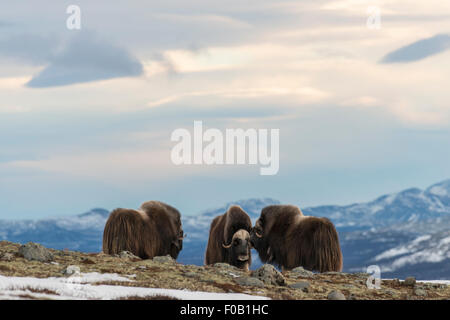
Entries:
{"x":86,"y":115}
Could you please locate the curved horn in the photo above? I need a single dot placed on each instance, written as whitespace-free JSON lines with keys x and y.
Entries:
{"x":258,"y":234}
{"x":226,"y":246}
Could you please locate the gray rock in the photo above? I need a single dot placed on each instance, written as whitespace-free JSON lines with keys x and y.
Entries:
{"x":250,"y":282}
{"x":362,"y":275}
{"x":389,"y":292}
{"x":410,"y":281}
{"x":352,"y":296}
{"x":7,"y":257}
{"x":302,"y":285}
{"x":420,"y":292}
{"x":191,"y":274}
{"x":336,"y":273}
{"x":128,"y":255}
{"x":301,"y":272}
{"x":336,"y":295}
{"x":224,"y":265}
{"x":163,"y":259}
{"x":35,"y":251}
{"x":269,"y":275}
{"x":71,"y":270}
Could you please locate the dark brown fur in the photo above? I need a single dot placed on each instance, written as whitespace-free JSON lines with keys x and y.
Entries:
{"x":222,"y":229}
{"x":289,"y":239}
{"x":153,"y":230}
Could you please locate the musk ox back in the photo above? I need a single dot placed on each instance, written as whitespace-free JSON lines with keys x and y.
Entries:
{"x":153,"y":230}
{"x":229,"y":239}
{"x":284,"y":236}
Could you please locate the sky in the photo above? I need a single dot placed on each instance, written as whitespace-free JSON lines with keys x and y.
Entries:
{"x":86,"y":115}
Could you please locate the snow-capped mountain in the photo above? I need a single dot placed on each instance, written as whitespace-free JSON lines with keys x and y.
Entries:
{"x":405,"y":233}
{"x":82,"y":232}
{"x":410,"y":205}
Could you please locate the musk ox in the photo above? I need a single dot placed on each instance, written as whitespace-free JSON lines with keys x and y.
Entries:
{"x":152,"y":230}
{"x":285,"y":237}
{"x":229,"y":239}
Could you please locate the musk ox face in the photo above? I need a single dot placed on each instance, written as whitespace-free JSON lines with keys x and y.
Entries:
{"x":239,"y":249}
{"x":259,"y":242}
{"x":229,"y":239}
{"x":174,"y":231}
{"x":284,"y":236}
{"x":177,"y":242}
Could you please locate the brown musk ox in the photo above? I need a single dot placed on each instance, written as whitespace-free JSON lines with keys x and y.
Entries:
{"x":152,"y":230}
{"x":285,"y":237}
{"x":229,"y":239}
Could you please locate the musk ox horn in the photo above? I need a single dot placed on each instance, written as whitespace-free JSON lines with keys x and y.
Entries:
{"x":258,"y":234}
{"x":226,"y":246}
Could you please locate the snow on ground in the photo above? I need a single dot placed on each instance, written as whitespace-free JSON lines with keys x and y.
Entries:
{"x":447,"y":282}
{"x":79,"y":287}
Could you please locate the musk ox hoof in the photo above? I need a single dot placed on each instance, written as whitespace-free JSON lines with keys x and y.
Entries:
{"x":269,"y":275}
{"x":163,"y":259}
{"x":35,"y":251}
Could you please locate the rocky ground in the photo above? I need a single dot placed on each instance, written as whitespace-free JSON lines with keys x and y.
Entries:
{"x":33,"y":260}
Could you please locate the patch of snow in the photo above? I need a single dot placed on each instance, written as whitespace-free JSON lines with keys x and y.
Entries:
{"x":391,"y":253}
{"x":439,"y":191}
{"x":447,"y":282}
{"x":77,"y":288}
{"x":444,"y":241}
{"x":421,"y":239}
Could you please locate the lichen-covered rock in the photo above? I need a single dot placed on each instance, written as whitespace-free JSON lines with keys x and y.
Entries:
{"x":223,"y":265}
{"x":71,"y":270}
{"x":128,"y":255}
{"x":269,"y":275}
{"x":420,"y":292}
{"x":163,"y":259}
{"x":301,"y":272}
{"x":410,"y":281}
{"x":35,"y":251}
{"x":250,"y":281}
{"x":336,"y":295}
{"x":7,"y":257}
{"x":302,"y":285}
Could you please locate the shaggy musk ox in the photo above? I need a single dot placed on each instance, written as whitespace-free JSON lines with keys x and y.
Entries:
{"x":153,"y":230}
{"x":229,"y":239}
{"x":284,"y":236}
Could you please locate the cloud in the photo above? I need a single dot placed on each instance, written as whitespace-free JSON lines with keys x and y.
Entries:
{"x":419,"y":50}
{"x":30,"y":48}
{"x":13,"y":109}
{"x":86,"y":58}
